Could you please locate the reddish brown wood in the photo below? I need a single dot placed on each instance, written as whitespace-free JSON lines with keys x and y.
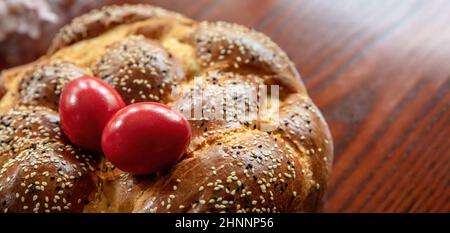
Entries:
{"x":380,"y":73}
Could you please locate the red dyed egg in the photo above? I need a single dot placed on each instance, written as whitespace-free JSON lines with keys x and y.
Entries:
{"x":86,"y":105}
{"x":145,"y":137}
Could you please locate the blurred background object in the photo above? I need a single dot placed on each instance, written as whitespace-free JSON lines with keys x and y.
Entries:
{"x":379,"y":70}
{"x":24,"y":17}
{"x":27,"y":26}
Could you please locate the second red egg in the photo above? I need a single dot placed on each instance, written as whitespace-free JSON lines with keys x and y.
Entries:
{"x":145,"y":137}
{"x":86,"y":105}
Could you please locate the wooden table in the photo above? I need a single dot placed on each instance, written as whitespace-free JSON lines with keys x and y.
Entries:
{"x":380,"y":72}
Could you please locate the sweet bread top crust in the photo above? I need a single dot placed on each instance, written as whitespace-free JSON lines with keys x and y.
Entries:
{"x":43,"y":85}
{"x":236,"y":47}
{"x":140,"y":70}
{"x":39,"y":170}
{"x":98,"y":21}
{"x":146,"y":53}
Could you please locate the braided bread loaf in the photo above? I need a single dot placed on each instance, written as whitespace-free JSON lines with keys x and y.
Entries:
{"x":146,"y":53}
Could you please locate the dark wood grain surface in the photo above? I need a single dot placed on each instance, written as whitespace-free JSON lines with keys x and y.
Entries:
{"x":380,"y":72}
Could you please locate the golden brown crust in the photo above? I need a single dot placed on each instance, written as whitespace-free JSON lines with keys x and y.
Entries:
{"x":46,"y":177}
{"x":98,"y":21}
{"x":149,"y":54}
{"x":20,"y":125}
{"x":302,"y":124}
{"x":43,"y":85}
{"x":2,"y":89}
{"x":39,"y":171}
{"x":208,"y":96}
{"x":234,"y":47}
{"x":140,"y":70}
{"x":247,"y":171}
